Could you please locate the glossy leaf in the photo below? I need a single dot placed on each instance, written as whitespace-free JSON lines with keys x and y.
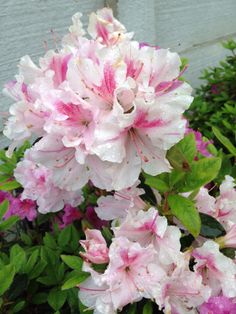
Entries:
{"x":202,"y":172}
{"x":185,"y":210}
{"x":224,"y":140}
{"x":7,"y":274}
{"x":210,"y":227}
{"x":73,"y":262}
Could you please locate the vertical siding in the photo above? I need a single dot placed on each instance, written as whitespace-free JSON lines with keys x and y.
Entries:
{"x":193,"y":28}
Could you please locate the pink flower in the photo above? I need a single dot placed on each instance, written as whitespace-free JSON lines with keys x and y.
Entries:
{"x":69,"y":215}
{"x":22,"y":208}
{"x":205,"y":202}
{"x":229,"y":240}
{"x":184,"y":290}
{"x":38,"y":186}
{"x":105,"y":28}
{"x":95,"y":247}
{"x":148,"y":227}
{"x":103,"y":107}
{"x":217,"y":270}
{"x":201,"y":144}
{"x":218,"y":305}
{"x":118,"y":205}
{"x":93,"y":218}
{"x":226,"y":202}
{"x":132,"y":274}
{"x":6,"y":196}
{"x":222,"y":207}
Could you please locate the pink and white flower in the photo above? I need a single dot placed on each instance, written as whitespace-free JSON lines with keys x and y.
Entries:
{"x":217,"y":270}
{"x":38,"y":186}
{"x":110,"y":106}
{"x":184,"y":290}
{"x":95,"y":247}
{"x":132,"y":274}
{"x":118,"y":205}
{"x":148,"y":227}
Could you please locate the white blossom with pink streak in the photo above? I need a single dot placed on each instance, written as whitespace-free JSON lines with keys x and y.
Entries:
{"x":106,"y":107}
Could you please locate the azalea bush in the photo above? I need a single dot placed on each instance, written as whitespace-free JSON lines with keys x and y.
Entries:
{"x":215,"y":101}
{"x":110,"y":203}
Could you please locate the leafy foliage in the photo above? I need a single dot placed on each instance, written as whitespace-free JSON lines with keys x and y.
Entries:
{"x":215,"y":101}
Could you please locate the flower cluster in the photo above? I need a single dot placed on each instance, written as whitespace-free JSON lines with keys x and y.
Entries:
{"x":104,"y":110}
{"x":145,"y":259}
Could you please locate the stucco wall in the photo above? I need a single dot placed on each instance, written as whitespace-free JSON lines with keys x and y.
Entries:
{"x":193,"y":28}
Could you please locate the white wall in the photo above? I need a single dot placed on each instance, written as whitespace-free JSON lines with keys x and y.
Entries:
{"x":194,"y":28}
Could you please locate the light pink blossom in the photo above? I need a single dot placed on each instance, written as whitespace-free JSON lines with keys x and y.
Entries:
{"x":118,"y":205}
{"x":217,"y":270}
{"x":95,"y":247}
{"x":226,"y":202}
{"x":38,"y":186}
{"x":132,"y":274}
{"x":184,"y":290}
{"x":229,"y":240}
{"x":148,"y":227}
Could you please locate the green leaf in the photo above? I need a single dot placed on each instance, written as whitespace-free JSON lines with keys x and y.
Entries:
{"x":47,"y":280}
{"x":18,"y":307}
{"x":75,"y":237}
{"x":6,"y":168}
{"x":26,"y":239}
{"x":106,"y":232}
{"x":56,"y":299}
{"x":147,"y":309}
{"x":182,"y":154}
{"x":38,"y":269}
{"x":73,"y":300}
{"x":157,"y":183}
{"x":31,"y":261}
{"x":20,"y":152}
{"x":132,"y":308}
{"x":202,"y":172}
{"x":7,"y":274}
{"x":39,"y":298}
{"x":185,"y":210}
{"x":175,"y":176}
{"x":10,"y":185}
{"x":49,"y":256}
{"x":8,"y":223}
{"x":75,"y":280}
{"x":60,"y":272}
{"x":224,"y":140}
{"x":73,"y":262}
{"x":18,"y":287}
{"x":4,"y":178}
{"x":17,"y":257}
{"x":4,"y":208}
{"x":229,"y":252}
{"x":49,"y":241}
{"x":64,"y":237}
{"x":210,"y":227}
